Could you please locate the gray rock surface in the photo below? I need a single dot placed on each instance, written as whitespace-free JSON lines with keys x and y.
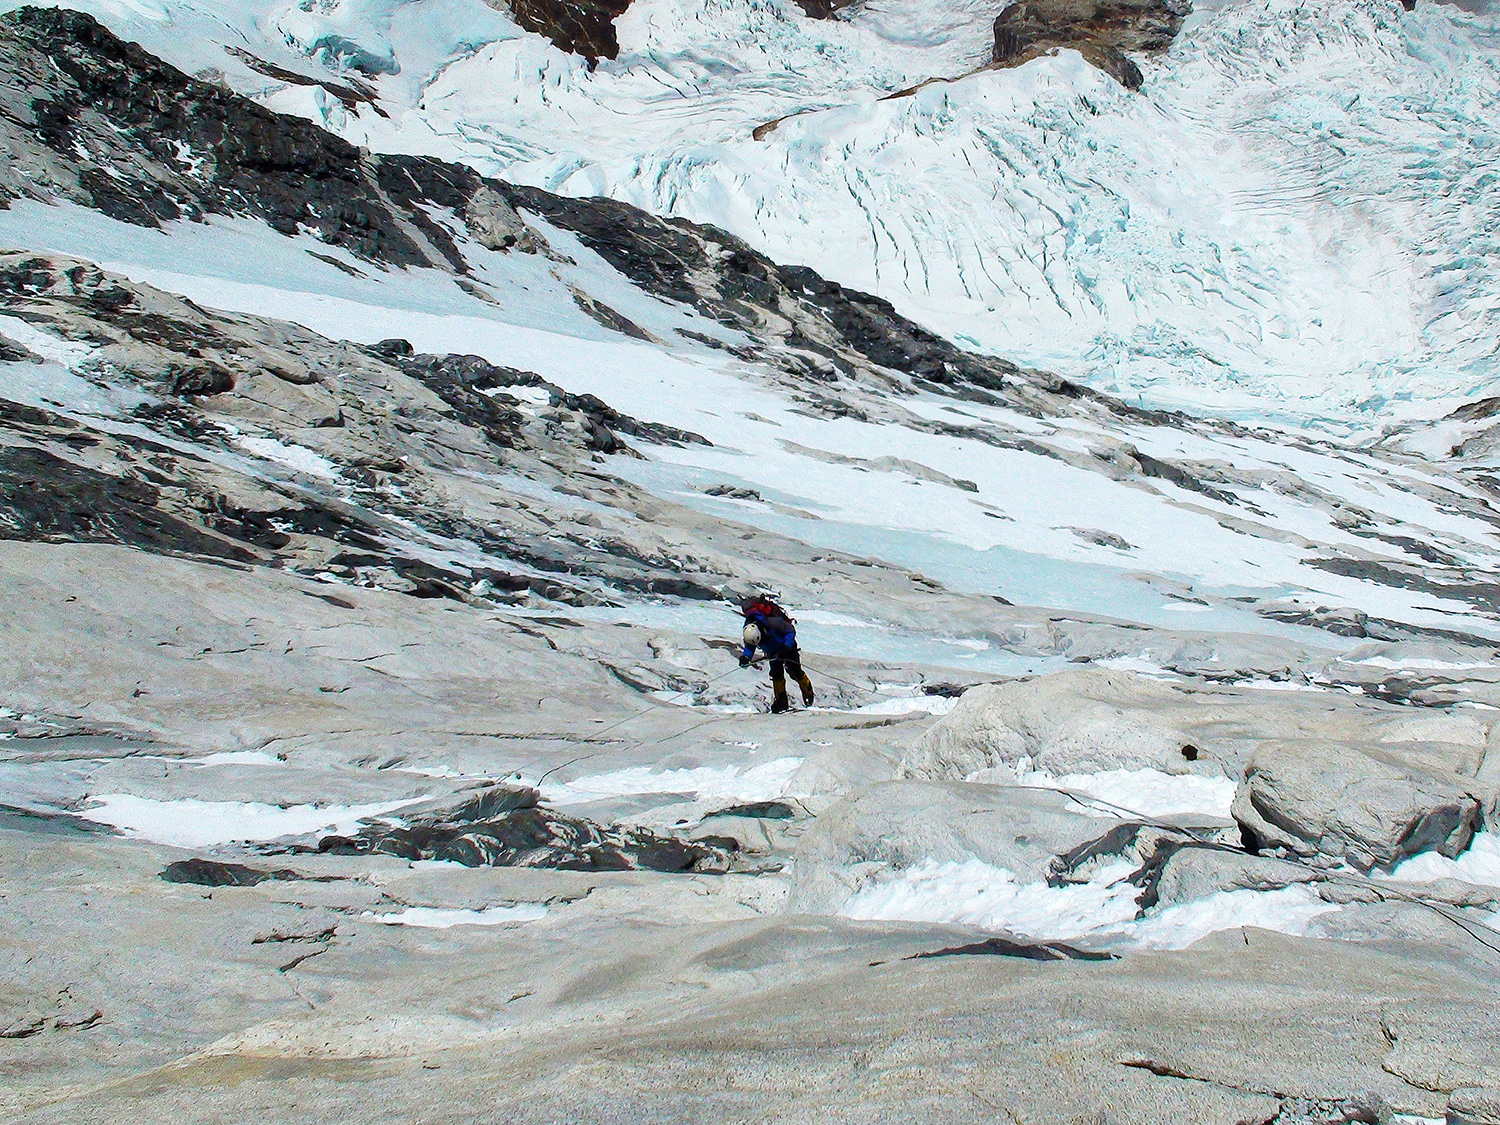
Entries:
{"x":1190,"y":873}
{"x":1474,"y":1105}
{"x":1087,"y":720}
{"x":892,"y":826}
{"x":1363,"y":806}
{"x":685,"y":1001}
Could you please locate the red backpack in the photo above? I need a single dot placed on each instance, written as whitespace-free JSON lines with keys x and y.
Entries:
{"x":766,"y":609}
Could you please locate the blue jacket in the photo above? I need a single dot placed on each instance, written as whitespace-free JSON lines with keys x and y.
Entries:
{"x":778,"y":638}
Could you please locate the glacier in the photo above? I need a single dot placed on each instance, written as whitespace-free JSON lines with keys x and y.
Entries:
{"x":1293,"y":221}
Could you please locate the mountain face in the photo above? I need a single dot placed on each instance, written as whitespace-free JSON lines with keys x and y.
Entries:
{"x":397,"y":398}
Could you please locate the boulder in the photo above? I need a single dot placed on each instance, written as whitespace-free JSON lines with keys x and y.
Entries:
{"x":495,"y":224}
{"x":898,"y":824}
{"x":1362,"y":806}
{"x":1189,"y":873}
{"x":1069,"y":722}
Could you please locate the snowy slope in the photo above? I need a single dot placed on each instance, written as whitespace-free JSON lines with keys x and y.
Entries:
{"x":982,"y":498}
{"x":1295,"y":218}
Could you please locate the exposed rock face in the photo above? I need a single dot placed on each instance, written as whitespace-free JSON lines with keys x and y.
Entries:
{"x":1474,"y":1105}
{"x":587,"y":27}
{"x":1100,"y":31}
{"x":823,"y":9}
{"x":584,"y":27}
{"x":503,"y":827}
{"x":161,"y":146}
{"x":1004,"y":947}
{"x":389,"y":415}
{"x":1362,"y":806}
{"x":215,"y":873}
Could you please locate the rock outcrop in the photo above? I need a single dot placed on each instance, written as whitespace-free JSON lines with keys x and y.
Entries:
{"x":1102,"y":31}
{"x":507,"y":827}
{"x":584,"y":27}
{"x":1067,"y":723}
{"x":1358,"y":805}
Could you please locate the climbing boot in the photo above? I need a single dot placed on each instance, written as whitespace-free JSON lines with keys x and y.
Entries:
{"x":807,"y":691}
{"x":779,"y":702}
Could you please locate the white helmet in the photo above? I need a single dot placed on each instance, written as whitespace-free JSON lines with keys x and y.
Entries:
{"x":752,"y":634}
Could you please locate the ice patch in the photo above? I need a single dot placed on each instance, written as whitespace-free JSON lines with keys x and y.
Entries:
{"x":1479,"y":864}
{"x":973,"y":893}
{"x":441,"y":918}
{"x":190,"y":823}
{"x":764,"y":782}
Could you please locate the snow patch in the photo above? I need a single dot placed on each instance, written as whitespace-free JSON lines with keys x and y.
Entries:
{"x":1144,"y":792}
{"x":973,"y":893}
{"x":69,"y":353}
{"x":237,"y":758}
{"x":442,"y":918}
{"x":191,"y":823}
{"x":1479,"y":864}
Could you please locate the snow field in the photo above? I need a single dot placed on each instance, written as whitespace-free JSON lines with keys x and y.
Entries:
{"x":1273,"y":227}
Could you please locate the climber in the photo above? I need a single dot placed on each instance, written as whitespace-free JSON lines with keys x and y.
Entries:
{"x":768,"y":628}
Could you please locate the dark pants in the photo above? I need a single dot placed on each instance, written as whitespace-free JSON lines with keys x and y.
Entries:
{"x":788,"y":662}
